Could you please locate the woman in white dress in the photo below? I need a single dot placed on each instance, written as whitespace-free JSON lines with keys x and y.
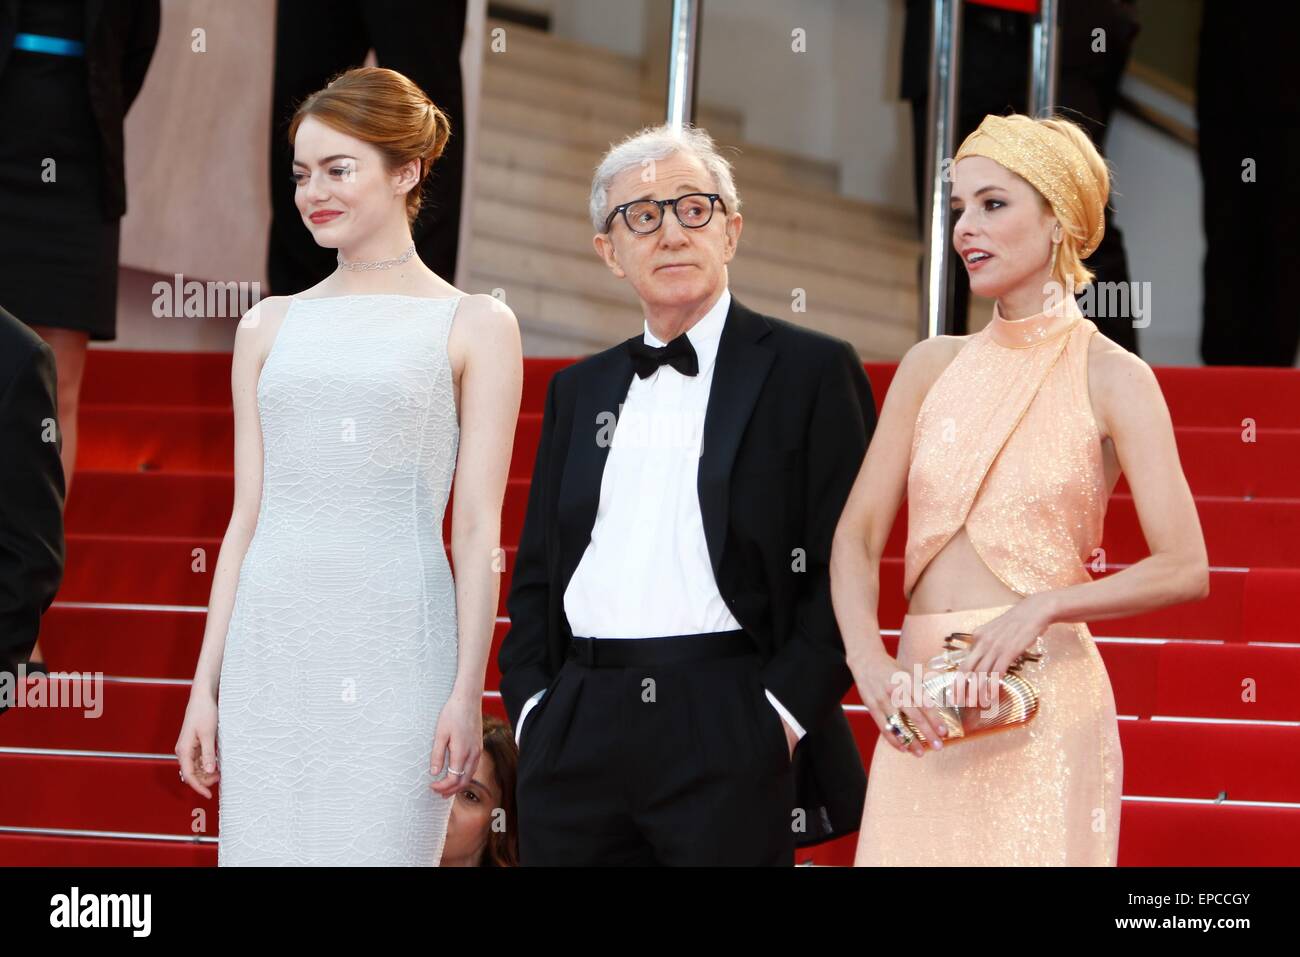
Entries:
{"x":338,"y":693}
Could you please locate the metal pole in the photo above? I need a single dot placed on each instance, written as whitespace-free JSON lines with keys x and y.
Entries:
{"x":1044,"y":60}
{"x":936,"y":294}
{"x":682,"y":49}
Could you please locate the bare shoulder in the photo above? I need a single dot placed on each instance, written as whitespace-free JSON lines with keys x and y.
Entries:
{"x":484,"y":326}
{"x":1120,"y":382}
{"x":925,"y":361}
{"x":481,"y":318}
{"x":258,"y":328}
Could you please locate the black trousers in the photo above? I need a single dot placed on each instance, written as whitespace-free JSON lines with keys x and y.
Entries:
{"x":314,"y":40}
{"x":1248,"y":110}
{"x":661,"y":761}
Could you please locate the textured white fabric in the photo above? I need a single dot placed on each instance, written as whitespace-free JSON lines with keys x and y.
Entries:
{"x":342,"y":645}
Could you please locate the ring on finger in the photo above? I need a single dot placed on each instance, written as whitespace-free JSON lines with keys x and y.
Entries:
{"x":900,"y":731}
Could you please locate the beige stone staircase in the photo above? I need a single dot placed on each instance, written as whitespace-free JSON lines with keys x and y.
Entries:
{"x":551,"y":107}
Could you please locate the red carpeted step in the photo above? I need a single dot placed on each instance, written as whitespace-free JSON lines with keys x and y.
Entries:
{"x":1206,"y":765}
{"x":1258,"y":533}
{"x":134,"y":795}
{"x":192,"y":439}
{"x":1256,"y":682}
{"x":1134,"y":671}
{"x":123,"y":377}
{"x":131,"y":439}
{"x":1186,"y":759}
{"x":156,"y":378}
{"x":43,"y":850}
{"x":167,"y":503}
{"x":1229,"y":396}
{"x":131,"y":716}
{"x":1220,"y":397}
{"x":142,"y":643}
{"x":1171,"y":834}
{"x":1240,"y":534}
{"x":155,"y":437}
{"x":156,"y":570}
{"x":136,"y":575}
{"x":143,"y":795}
{"x":1220,"y":462}
{"x":147,"y":642}
{"x":1156,"y":833}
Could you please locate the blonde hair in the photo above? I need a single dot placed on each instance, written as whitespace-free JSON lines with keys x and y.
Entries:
{"x":1059,"y":159}
{"x":390,"y":112}
{"x":1074,"y":233}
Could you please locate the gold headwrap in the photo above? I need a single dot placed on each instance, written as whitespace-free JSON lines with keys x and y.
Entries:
{"x":1050,"y":163}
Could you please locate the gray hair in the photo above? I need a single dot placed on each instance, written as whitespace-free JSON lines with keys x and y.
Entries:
{"x":656,"y":143}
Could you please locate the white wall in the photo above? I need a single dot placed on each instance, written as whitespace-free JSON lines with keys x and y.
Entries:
{"x":610,"y":24}
{"x":1158,"y":207}
{"x":836,"y":101}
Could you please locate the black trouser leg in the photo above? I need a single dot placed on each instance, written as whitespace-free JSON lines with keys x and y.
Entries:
{"x":679,"y":764}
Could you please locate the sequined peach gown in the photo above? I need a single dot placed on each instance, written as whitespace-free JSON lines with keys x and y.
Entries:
{"x":1006,"y":444}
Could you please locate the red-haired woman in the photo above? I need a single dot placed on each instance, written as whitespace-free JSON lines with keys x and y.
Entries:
{"x":349,"y":663}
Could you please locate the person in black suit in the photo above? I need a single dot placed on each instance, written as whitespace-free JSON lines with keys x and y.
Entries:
{"x":673,"y":667}
{"x":31,"y":492}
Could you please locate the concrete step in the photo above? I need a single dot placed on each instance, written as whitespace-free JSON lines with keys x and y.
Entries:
{"x":583,"y":101}
{"x":591,"y":300}
{"x":592,"y":137}
{"x":539,"y":53}
{"x":570,"y":237}
{"x":523,"y":151}
{"x":807,"y":241}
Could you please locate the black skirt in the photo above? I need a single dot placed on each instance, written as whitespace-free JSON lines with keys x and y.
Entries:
{"x":58,"y":252}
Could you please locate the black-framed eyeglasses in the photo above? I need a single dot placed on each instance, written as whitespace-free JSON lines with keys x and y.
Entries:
{"x":643,"y":216}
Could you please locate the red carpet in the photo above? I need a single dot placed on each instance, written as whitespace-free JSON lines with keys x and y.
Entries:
{"x":1211,"y":720}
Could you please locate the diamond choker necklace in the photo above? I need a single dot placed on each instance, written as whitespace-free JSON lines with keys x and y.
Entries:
{"x":379,"y":263}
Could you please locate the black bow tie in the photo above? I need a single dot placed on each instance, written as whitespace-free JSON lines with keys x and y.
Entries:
{"x":679,"y":354}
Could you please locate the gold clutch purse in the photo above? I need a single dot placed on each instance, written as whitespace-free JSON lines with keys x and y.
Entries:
{"x":950,"y":691}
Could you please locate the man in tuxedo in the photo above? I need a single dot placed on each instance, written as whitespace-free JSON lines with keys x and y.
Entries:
{"x":31,"y":492}
{"x":673,"y":668}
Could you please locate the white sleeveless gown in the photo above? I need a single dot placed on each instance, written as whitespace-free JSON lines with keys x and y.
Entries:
{"x":342,"y":645}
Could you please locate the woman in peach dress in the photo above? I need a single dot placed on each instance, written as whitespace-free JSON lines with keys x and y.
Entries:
{"x":1007,"y":444}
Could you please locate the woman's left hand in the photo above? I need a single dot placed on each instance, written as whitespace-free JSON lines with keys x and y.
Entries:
{"x":459,"y":740}
{"x":996,"y":643}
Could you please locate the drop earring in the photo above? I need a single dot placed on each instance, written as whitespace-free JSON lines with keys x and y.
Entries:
{"x":1056,"y":245}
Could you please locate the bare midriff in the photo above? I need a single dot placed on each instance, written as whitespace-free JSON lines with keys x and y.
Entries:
{"x":957,"y":579}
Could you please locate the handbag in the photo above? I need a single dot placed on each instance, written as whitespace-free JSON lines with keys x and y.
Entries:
{"x":1017,"y":698}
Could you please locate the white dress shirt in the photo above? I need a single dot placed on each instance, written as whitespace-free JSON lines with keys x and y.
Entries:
{"x":646,"y":572}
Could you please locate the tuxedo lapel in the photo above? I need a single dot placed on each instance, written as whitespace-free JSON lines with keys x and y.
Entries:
{"x":595,"y":410}
{"x":739,"y":372}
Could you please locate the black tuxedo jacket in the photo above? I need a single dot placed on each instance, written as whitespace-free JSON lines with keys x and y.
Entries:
{"x":789,"y":417}
{"x":31,"y":490}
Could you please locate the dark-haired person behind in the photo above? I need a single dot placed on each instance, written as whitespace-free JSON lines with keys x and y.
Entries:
{"x":481,"y":830}
{"x":69,"y":71}
{"x":31,"y":493}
